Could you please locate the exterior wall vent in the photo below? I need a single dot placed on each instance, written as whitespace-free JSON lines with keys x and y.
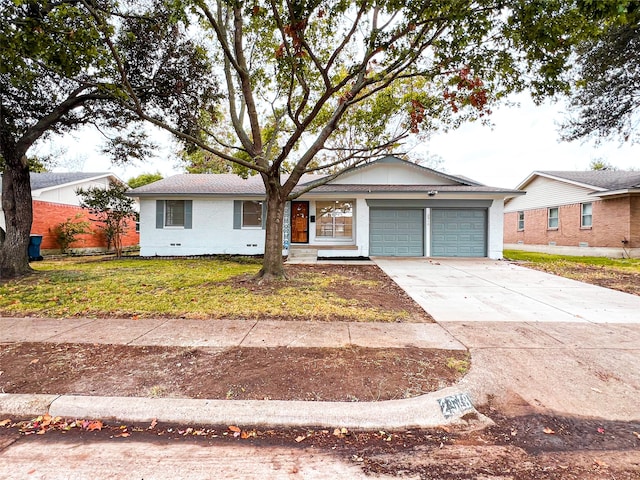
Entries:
{"x":552,"y":244}
{"x":583,"y":244}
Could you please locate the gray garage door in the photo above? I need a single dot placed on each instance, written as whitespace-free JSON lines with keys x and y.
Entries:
{"x":396,"y":233}
{"x":458,"y":233}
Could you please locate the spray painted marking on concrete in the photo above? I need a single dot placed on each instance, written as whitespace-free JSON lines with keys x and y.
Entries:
{"x":455,"y":404}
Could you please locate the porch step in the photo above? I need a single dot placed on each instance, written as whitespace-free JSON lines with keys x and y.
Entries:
{"x":302,"y":255}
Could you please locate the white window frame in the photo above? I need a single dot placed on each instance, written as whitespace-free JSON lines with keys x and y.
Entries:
{"x":260,"y":213}
{"x":333,"y":237}
{"x":521,"y":221}
{"x":550,"y":218}
{"x":584,"y":215}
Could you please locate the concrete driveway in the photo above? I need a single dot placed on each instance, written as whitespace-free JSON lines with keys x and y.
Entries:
{"x":557,"y":344}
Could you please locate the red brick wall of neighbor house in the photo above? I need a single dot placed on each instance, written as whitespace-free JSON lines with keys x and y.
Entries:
{"x":47,"y":215}
{"x":611,"y":223}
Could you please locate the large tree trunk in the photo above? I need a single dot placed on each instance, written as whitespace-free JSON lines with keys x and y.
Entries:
{"x":273,"y":264}
{"x":18,"y":215}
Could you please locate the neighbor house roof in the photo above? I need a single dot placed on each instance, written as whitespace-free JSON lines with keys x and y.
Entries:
{"x":40,"y":181}
{"x":48,"y":180}
{"x":602,"y":182}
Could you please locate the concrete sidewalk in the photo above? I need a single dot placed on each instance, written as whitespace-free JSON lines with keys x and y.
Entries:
{"x":226,"y":333}
{"x":446,"y":406}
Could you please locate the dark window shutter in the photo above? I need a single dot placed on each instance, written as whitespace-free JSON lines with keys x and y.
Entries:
{"x":159,"y":213}
{"x":188,"y":213}
{"x":237,"y":214}
{"x":264,"y":214}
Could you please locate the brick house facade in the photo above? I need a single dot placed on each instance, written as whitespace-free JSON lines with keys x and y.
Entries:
{"x":576,"y":213}
{"x":55,"y":200}
{"x":47,"y":215}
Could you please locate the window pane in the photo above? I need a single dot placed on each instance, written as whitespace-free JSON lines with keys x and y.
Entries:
{"x":334,"y":219}
{"x":174,"y":214}
{"x":553,"y":218}
{"x":520,"y":220}
{"x":251,"y":214}
{"x":586,"y":215}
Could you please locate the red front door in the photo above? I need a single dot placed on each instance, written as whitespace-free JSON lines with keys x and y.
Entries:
{"x":299,"y":222}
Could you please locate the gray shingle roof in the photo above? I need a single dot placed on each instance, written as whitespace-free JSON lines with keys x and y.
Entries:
{"x":601,"y":179}
{"x":204,"y":184}
{"x":53,"y":179}
{"x":231,"y":184}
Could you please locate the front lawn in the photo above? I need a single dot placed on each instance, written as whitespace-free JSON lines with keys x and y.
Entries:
{"x":205,"y":288}
{"x":617,"y":273}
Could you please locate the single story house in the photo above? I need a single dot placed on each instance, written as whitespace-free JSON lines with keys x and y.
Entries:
{"x":576,"y":213}
{"x":55,"y":201}
{"x":389,"y":207}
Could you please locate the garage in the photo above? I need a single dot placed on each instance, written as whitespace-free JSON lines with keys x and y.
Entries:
{"x":458,"y":232}
{"x":396,"y":232}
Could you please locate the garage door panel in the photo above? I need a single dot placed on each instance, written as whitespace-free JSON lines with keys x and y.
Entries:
{"x":458,"y":232}
{"x":397,"y":232}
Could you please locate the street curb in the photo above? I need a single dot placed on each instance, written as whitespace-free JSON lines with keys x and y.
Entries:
{"x":424,"y":411}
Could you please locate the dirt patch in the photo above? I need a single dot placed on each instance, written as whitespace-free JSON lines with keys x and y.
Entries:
{"x":327,"y":374}
{"x":365,"y":285}
{"x":515,"y":448}
{"x":603,"y":276}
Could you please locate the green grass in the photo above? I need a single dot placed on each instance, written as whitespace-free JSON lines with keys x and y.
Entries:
{"x":627,"y":264}
{"x":199,"y":288}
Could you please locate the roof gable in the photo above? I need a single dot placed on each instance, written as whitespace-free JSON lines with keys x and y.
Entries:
{"x":595,"y":180}
{"x":392,"y":170}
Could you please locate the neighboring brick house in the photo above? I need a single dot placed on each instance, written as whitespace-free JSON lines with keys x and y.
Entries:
{"x":55,"y":201}
{"x":576,"y":213}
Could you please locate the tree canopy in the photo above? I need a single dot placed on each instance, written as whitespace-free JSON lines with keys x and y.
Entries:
{"x":606,"y":101}
{"x":331,"y":84}
{"x":57,"y":74}
{"x":144,"y":179}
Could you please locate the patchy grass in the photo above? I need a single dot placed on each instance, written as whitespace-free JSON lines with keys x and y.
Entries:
{"x":195,"y":288}
{"x":617,"y":273}
{"x":631,"y":264}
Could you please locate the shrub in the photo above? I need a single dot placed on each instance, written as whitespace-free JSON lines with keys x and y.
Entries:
{"x":67,"y":232}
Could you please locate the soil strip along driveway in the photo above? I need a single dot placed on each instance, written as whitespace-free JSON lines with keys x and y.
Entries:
{"x":536,"y":340}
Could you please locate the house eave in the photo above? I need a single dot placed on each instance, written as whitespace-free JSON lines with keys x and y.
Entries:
{"x":529,"y":179}
{"x":616,"y":193}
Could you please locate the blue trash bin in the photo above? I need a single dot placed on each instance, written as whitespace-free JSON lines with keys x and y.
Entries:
{"x":34,"y":247}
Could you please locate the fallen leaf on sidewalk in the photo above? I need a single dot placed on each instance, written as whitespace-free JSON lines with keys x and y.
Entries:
{"x":34,"y":361}
{"x":637,"y":435}
{"x":548,"y":431}
{"x":234,"y":429}
{"x":300,"y":438}
{"x":600,"y":463}
{"x":154,"y":422}
{"x":7,"y":421}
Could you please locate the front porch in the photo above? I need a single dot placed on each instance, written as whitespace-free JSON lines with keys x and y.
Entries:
{"x":304,"y":253}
